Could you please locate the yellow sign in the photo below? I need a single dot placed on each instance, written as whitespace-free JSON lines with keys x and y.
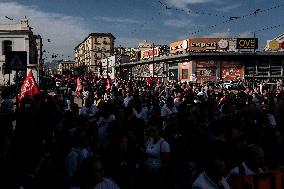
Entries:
{"x":274,"y":45}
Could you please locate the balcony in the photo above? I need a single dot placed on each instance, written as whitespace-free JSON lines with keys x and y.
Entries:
{"x":106,"y":43}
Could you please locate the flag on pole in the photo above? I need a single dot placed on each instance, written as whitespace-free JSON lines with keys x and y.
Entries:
{"x":79,"y":86}
{"x":29,"y":87}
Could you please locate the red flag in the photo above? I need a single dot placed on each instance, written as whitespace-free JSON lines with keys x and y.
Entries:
{"x":79,"y":86}
{"x":29,"y":87}
{"x":108,"y":85}
{"x":149,"y":80}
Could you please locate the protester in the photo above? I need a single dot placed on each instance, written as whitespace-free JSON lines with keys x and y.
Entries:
{"x":145,"y":131}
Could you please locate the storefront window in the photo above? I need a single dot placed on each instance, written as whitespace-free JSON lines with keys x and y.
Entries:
{"x":184,"y":74}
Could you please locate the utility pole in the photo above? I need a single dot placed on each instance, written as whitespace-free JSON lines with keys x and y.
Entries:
{"x":153,"y":48}
{"x":107,"y":67}
{"x":254,"y":52}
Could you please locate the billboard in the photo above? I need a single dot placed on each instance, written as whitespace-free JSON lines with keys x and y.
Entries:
{"x":247,"y":43}
{"x":150,"y":53}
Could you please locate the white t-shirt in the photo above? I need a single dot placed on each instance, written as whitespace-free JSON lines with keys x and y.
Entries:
{"x":143,"y":114}
{"x":177,"y":102}
{"x":85,"y":94}
{"x":154,"y":150}
{"x":102,"y":130}
{"x":91,"y":111}
{"x":204,"y":182}
{"x":126,"y":100}
{"x":105,"y":184}
{"x":73,"y":160}
{"x":248,"y":171}
{"x":165,"y":112}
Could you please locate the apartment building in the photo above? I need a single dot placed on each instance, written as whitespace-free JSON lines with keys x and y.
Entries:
{"x":17,"y":37}
{"x":94,"y":48}
{"x":65,"y":67}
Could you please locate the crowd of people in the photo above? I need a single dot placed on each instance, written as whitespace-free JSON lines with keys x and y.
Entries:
{"x":140,"y":134}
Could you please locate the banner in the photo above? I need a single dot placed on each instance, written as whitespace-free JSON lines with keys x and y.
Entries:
{"x":108,"y":85}
{"x":29,"y":87}
{"x":79,"y":86}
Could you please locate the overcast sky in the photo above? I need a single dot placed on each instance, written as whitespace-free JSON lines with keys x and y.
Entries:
{"x":67,"y":22}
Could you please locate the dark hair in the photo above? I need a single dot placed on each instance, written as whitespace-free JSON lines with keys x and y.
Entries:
{"x":86,"y":170}
{"x":156,"y":122}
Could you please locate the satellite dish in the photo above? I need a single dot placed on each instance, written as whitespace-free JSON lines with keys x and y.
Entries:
{"x":184,"y":44}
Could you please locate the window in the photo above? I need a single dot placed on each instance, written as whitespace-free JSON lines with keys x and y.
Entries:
{"x":96,"y":41}
{"x":7,"y":46}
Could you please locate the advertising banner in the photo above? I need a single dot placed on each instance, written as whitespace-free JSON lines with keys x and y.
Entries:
{"x":206,"y":70}
{"x":150,"y":53}
{"x":231,"y":71}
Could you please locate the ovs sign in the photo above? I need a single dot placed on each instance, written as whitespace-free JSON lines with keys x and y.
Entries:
{"x":247,"y":43}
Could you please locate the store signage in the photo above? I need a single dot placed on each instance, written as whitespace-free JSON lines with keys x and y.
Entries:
{"x":150,"y":53}
{"x":275,"y":45}
{"x":247,"y":43}
{"x":208,"y":45}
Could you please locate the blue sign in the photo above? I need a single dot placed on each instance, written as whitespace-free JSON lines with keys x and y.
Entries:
{"x":173,"y":74}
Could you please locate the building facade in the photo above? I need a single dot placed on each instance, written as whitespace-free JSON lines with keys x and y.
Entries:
{"x":92,"y":49}
{"x":111,"y":65}
{"x":17,"y":37}
{"x":65,"y":67}
{"x":39,"y":46}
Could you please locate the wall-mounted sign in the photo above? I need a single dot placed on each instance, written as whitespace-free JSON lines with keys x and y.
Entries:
{"x":150,"y":53}
{"x":208,"y":44}
{"x":247,"y":43}
{"x":184,"y":44}
{"x":223,"y":43}
{"x":204,"y":45}
{"x":231,"y":70}
{"x":276,"y":44}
